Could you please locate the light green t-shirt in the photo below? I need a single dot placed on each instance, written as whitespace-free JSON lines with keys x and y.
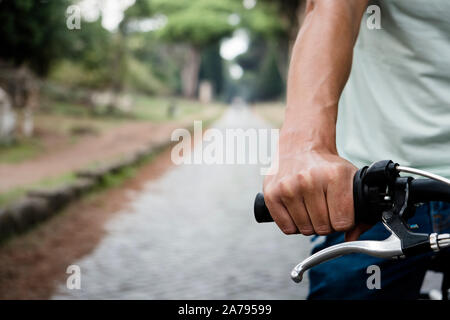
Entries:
{"x":396,"y":104}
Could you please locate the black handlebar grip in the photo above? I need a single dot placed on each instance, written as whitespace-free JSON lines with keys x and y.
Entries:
{"x":262,"y":214}
{"x":425,"y":190}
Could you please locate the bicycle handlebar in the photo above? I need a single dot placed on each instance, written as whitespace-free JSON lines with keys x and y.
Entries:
{"x":380,"y":194}
{"x":421,"y":190}
{"x":425,"y":190}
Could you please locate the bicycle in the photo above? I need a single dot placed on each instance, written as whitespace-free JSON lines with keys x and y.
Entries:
{"x":381,"y":194}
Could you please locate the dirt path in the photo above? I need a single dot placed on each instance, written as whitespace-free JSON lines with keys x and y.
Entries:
{"x":34,"y":264}
{"x":109,"y":145}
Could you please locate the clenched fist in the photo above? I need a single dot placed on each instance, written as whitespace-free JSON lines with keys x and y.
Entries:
{"x":311,"y":193}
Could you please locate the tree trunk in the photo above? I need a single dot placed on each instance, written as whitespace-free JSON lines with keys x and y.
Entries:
{"x":7,"y":118}
{"x":118,"y":67}
{"x":189,"y":72}
{"x":22,"y":86}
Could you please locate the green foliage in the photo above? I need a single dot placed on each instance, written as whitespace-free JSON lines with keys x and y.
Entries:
{"x":19,"y":151}
{"x":139,"y":77}
{"x":197,"y":22}
{"x":91,"y":46}
{"x":264,"y":20}
{"x":160,"y":59}
{"x":140,"y":9}
{"x":199,"y":32}
{"x":202,"y":22}
{"x":155,"y":109}
{"x":286,"y":8}
{"x":87,"y":61}
{"x":33,"y":32}
{"x":116,"y":179}
{"x":74,"y":74}
{"x":12,"y":195}
{"x":99,"y":59}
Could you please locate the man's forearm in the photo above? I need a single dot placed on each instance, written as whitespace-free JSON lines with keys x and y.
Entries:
{"x":311,"y":192}
{"x":320,"y":66}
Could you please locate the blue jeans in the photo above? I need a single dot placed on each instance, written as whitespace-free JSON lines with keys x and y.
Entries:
{"x":346,"y":277}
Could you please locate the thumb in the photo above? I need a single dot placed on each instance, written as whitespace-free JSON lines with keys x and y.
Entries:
{"x":359,"y":229}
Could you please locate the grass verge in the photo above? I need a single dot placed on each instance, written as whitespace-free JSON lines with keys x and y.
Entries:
{"x":20,"y":150}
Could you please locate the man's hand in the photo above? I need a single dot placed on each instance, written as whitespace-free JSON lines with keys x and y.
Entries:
{"x":312,"y":192}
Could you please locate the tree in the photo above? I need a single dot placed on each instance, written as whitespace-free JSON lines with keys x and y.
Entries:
{"x":140,"y":9}
{"x":197,"y":24}
{"x":212,"y":67}
{"x":87,"y":61}
{"x":33,"y":32}
{"x":33,"y":36}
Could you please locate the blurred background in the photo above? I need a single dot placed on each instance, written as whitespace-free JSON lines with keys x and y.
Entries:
{"x":90,"y":92}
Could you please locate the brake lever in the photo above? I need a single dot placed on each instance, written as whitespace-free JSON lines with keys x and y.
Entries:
{"x":389,"y":248}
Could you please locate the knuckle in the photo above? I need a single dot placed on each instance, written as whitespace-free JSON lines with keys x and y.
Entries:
{"x":286,"y":190}
{"x":303,"y":180}
{"x":299,"y":176}
{"x":300,"y":180}
{"x":315,"y":172}
{"x":268,"y":192}
{"x":334,"y":172}
{"x":270,"y":196}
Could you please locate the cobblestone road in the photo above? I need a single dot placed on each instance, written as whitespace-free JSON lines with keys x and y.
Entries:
{"x":191,"y":235}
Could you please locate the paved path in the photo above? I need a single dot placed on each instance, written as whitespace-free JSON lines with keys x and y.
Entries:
{"x":191,"y":235}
